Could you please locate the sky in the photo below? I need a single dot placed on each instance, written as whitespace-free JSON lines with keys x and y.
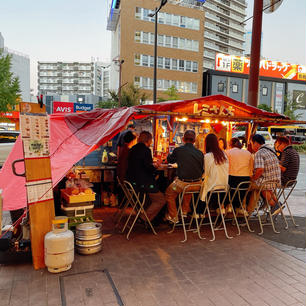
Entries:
{"x":75,"y":30}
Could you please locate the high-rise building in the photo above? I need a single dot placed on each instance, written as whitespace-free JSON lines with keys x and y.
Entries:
{"x":20,"y":68}
{"x":180,"y":46}
{"x":224,"y":29}
{"x":72,"y":78}
{"x":190,"y":34}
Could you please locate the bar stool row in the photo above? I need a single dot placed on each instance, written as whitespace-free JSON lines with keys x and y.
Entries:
{"x":222,"y":196}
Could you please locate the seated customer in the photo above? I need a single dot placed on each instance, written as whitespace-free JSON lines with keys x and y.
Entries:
{"x":141,"y":173}
{"x":240,"y":167}
{"x":267,"y":172}
{"x":189,"y":171}
{"x":289,"y":159}
{"x":215,"y":168}
{"x":123,"y":155}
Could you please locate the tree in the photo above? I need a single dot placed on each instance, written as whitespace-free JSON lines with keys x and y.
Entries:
{"x":172,"y":94}
{"x":129,"y":97}
{"x":265,"y":107}
{"x":290,"y":108}
{"x":9,"y":85}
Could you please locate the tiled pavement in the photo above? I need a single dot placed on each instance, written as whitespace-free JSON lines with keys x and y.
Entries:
{"x":149,"y":270}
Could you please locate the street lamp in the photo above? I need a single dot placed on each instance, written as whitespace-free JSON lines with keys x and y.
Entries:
{"x":119,"y":63}
{"x":162,"y":3}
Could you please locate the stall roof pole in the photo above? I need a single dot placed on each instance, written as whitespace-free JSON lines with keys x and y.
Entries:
{"x":255,"y":53}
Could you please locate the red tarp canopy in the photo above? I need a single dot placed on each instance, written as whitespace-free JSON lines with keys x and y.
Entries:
{"x":73,"y":136}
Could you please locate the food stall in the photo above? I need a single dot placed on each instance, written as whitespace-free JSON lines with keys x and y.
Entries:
{"x":74,"y":136}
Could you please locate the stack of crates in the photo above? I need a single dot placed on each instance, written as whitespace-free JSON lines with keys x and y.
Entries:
{"x":78,"y":208}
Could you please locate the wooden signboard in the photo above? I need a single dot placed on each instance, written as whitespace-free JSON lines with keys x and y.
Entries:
{"x":34,"y":130}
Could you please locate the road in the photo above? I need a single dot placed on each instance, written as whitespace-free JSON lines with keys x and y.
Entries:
{"x":301,"y":184}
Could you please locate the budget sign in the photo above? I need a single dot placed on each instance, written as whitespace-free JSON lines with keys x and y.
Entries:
{"x":82,"y":107}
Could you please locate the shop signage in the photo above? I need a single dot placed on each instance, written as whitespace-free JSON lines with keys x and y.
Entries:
{"x":274,"y":69}
{"x":69,"y":107}
{"x":299,"y":97}
{"x":63,"y":107}
{"x":82,"y":107}
{"x":206,"y":109}
{"x":11,"y":115}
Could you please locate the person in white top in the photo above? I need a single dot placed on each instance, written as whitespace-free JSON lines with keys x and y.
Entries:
{"x":240,"y":167}
{"x":215,"y":168}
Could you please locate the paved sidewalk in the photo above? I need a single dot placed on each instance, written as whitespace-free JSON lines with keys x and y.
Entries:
{"x":149,"y":270}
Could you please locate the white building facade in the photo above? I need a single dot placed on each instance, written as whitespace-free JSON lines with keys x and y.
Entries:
{"x":224,"y":30}
{"x":20,"y":68}
{"x":72,"y":78}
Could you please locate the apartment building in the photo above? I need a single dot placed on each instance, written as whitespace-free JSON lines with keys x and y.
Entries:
{"x":180,"y":46}
{"x":20,"y":68}
{"x":224,"y":30}
{"x":72,"y":78}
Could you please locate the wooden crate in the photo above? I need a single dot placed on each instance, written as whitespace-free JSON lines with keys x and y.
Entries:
{"x":90,"y":197}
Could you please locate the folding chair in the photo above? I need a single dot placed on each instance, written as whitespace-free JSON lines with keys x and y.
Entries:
{"x":283,"y":195}
{"x":137,"y":201}
{"x":124,"y":204}
{"x":219,"y":191}
{"x":195,"y":197}
{"x":265,"y":207}
{"x":241,"y":193}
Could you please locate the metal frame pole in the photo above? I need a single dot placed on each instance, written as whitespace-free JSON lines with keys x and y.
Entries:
{"x":255,"y":53}
{"x":155,"y":59}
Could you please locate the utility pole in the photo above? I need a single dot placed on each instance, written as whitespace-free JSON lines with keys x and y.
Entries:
{"x":255,"y":53}
{"x":155,"y":14}
{"x":120,"y":62}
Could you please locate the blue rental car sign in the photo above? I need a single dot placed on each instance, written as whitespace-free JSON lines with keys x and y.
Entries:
{"x":82,"y":107}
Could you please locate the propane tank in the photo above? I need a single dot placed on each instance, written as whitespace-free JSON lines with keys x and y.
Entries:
{"x":59,"y":246}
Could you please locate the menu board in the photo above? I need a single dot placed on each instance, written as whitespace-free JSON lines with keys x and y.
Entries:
{"x":35,"y":135}
{"x":39,"y":191}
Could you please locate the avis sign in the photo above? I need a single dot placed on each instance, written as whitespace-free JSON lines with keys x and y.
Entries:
{"x":63,"y":107}
{"x":69,"y":107}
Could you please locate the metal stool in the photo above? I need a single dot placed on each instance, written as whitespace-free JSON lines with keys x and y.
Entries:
{"x":137,"y":201}
{"x":241,"y":188}
{"x":283,"y":194}
{"x":195,"y":197}
{"x":219,"y":191}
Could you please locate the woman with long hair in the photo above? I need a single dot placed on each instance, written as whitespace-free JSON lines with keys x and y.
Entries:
{"x":215,"y":167}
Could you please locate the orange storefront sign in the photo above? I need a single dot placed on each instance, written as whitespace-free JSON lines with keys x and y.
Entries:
{"x":273,"y":69}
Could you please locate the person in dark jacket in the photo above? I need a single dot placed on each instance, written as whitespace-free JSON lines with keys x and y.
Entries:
{"x":190,"y":162}
{"x":289,"y":160}
{"x":141,"y":173}
{"x":123,"y":156}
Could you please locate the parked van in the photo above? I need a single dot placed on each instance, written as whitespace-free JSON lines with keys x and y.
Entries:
{"x":267,"y":136}
{"x":7,"y":140}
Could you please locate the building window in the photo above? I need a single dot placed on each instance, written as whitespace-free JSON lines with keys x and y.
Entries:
{"x":234,"y":88}
{"x":145,"y":60}
{"x":181,"y":65}
{"x":145,"y":37}
{"x":220,"y":87}
{"x":182,"y":21}
{"x":160,"y":63}
{"x":138,"y":13}
{"x":174,"y":64}
{"x":168,"y":41}
{"x":182,"y":86}
{"x":137,"y":36}
{"x":174,"y":42}
{"x":167,"y":63}
{"x":137,"y":59}
{"x":160,"y":40}
{"x":265,"y":91}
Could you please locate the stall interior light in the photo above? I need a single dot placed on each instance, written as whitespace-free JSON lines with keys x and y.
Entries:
{"x":207,"y":121}
{"x":202,"y":121}
{"x":184,"y":119}
{"x":216,"y":121}
{"x":224,"y":123}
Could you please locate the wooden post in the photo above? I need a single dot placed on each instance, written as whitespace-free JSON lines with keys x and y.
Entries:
{"x":34,"y":128}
